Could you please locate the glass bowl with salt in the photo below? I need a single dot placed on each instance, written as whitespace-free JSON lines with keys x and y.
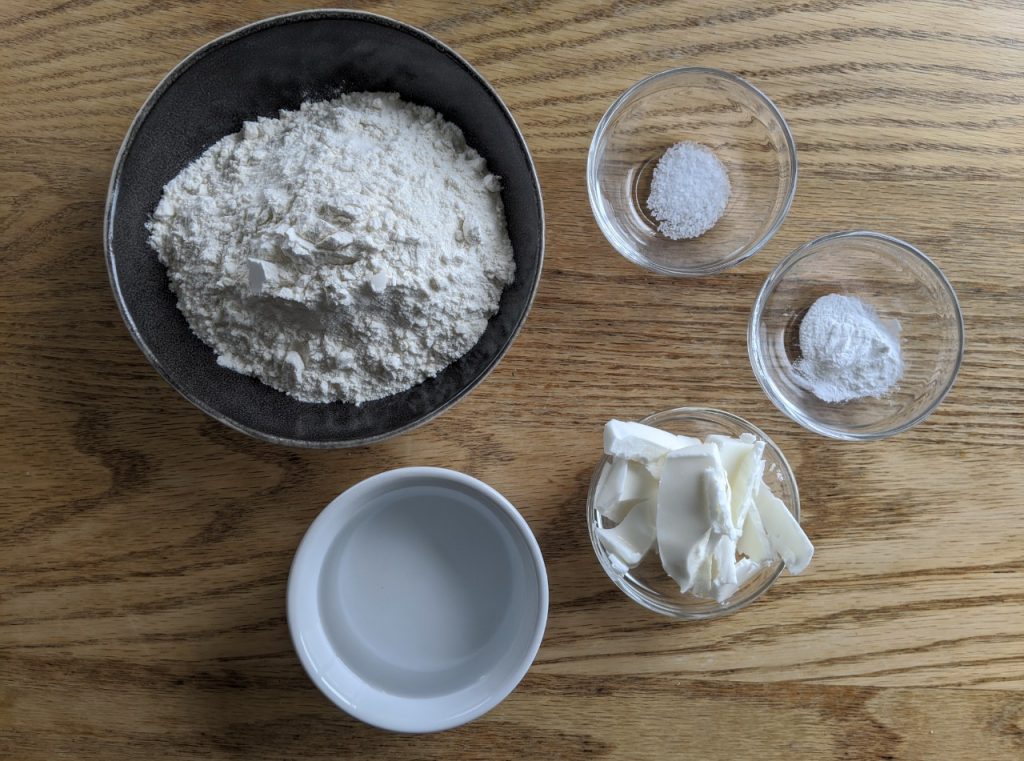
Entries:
{"x":856,"y":336}
{"x":691,"y":171}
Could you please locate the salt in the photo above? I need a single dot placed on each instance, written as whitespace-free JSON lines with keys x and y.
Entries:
{"x":847,"y":351}
{"x":689,"y":191}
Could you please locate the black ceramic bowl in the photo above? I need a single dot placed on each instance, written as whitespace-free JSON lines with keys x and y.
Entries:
{"x":256,"y":71}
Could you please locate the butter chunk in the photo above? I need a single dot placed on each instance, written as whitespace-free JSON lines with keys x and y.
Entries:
{"x":630,"y":540}
{"x":718,"y":497}
{"x":723,"y":568}
{"x":683,"y":519}
{"x":743,"y":459}
{"x":641,"y":443}
{"x":703,"y":578}
{"x":746,"y":569}
{"x":788,"y":540}
{"x":686,"y":441}
{"x":621,"y":485}
{"x":743,"y":571}
{"x":753,"y":542}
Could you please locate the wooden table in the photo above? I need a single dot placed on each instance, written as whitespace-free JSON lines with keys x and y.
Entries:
{"x":144,"y":547}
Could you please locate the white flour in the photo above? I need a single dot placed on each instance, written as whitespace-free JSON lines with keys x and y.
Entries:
{"x":847,"y":351}
{"x":347,"y":250}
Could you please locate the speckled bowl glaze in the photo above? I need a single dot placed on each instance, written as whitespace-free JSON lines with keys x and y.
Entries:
{"x":258,"y":70}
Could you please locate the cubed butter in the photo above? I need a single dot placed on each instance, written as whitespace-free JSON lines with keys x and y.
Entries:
{"x":703,"y":578}
{"x":683,"y":520}
{"x":753,"y":542}
{"x":788,"y":540}
{"x":642,"y":443}
{"x":630,"y":540}
{"x":717,"y":525}
{"x":623,"y":484}
{"x":718,"y":498}
{"x":746,"y":569}
{"x":723,"y":568}
{"x":743,"y":459}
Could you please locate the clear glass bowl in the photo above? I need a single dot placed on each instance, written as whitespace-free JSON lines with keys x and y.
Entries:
{"x":902,"y":284}
{"x":715,"y":108}
{"x":647,"y":583}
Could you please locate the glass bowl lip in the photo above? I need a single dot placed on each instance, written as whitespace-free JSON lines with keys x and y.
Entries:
{"x":678,"y":611}
{"x":757,"y":360}
{"x":744,"y":253}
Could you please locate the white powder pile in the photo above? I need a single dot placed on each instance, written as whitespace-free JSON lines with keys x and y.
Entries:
{"x":347,"y":250}
{"x":689,"y":191}
{"x":848,"y":352}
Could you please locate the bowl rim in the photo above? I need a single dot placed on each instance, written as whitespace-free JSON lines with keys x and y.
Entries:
{"x":592,"y":170}
{"x":675,"y":611}
{"x":301,"y":618}
{"x":114,"y":185}
{"x":757,"y":359}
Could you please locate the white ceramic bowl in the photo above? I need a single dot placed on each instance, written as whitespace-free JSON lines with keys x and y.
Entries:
{"x":417,"y":599}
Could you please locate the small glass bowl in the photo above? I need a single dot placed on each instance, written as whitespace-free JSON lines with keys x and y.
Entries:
{"x":902,"y":284}
{"x":647,"y":583}
{"x":715,"y":108}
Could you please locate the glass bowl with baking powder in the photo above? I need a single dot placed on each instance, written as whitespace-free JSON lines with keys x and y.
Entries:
{"x":710,"y":108}
{"x":907,"y":294}
{"x":647,"y":584}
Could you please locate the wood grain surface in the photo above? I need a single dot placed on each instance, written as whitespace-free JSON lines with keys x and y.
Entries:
{"x":144,"y":548}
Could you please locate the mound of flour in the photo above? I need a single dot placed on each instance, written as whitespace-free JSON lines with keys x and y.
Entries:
{"x":346,"y":250}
